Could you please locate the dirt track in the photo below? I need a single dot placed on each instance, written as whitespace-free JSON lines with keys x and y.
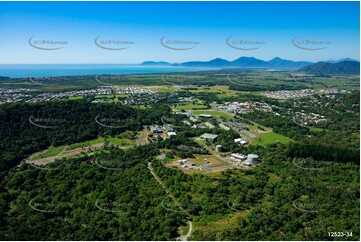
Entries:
{"x":63,"y":154}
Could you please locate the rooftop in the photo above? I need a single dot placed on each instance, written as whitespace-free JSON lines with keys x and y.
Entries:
{"x":209,"y":136}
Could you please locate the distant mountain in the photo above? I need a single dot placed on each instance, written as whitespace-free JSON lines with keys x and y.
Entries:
{"x":281,"y":63}
{"x":341,"y":60}
{"x":218,"y":62}
{"x":344,"y":67}
{"x":156,"y":63}
{"x":242,"y":62}
{"x":245,"y":61}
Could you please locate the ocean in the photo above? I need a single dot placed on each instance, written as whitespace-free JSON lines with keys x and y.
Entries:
{"x":47,"y":70}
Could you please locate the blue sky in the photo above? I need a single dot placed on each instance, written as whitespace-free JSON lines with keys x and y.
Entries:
{"x":145,"y":23}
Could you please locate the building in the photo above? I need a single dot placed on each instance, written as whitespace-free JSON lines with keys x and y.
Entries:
{"x":252,"y":159}
{"x":168,"y":128}
{"x":224,"y":127}
{"x":241,"y":141}
{"x":188,"y":114}
{"x":209,"y":137}
{"x":209,"y":125}
{"x":186,"y":122}
{"x":205,"y":115}
{"x":238,"y":157}
{"x":155,"y":129}
{"x":172,"y":134}
{"x":199,"y":126}
{"x":193,"y":119}
{"x":247,"y":163}
{"x":219,"y":148}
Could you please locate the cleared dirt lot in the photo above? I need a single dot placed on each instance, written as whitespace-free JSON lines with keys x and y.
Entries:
{"x":64,"y":154}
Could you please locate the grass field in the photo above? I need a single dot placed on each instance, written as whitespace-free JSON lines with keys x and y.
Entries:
{"x":316,"y":129}
{"x":112,"y":140}
{"x":270,"y":138}
{"x":86,"y":143}
{"x":222,"y":91}
{"x":75,"y":98}
{"x":214,"y":161}
{"x":161,"y":89}
{"x":121,"y":141}
{"x":52,"y":151}
{"x":215,"y":113}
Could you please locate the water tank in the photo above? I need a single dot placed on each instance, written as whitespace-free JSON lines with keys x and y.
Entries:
{"x":219,"y":148}
{"x":252,"y":158}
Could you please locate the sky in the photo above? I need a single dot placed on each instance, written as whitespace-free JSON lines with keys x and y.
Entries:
{"x":260,"y":29}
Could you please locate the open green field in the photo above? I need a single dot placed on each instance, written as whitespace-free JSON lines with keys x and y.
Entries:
{"x":316,"y":129}
{"x":222,"y":91}
{"x":75,"y":98}
{"x":202,"y":160}
{"x":340,"y":82}
{"x":86,"y":143}
{"x":113,"y":140}
{"x":162,"y":89}
{"x":270,"y":138}
{"x":121,"y":141}
{"x":52,"y":151}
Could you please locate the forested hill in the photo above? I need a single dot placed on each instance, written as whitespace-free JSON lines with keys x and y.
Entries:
{"x":78,"y":199}
{"x":34,"y":127}
{"x":345,"y":67}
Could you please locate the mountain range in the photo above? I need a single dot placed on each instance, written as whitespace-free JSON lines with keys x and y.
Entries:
{"x":325,"y":68}
{"x":246,"y":62}
{"x":242,"y":62}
